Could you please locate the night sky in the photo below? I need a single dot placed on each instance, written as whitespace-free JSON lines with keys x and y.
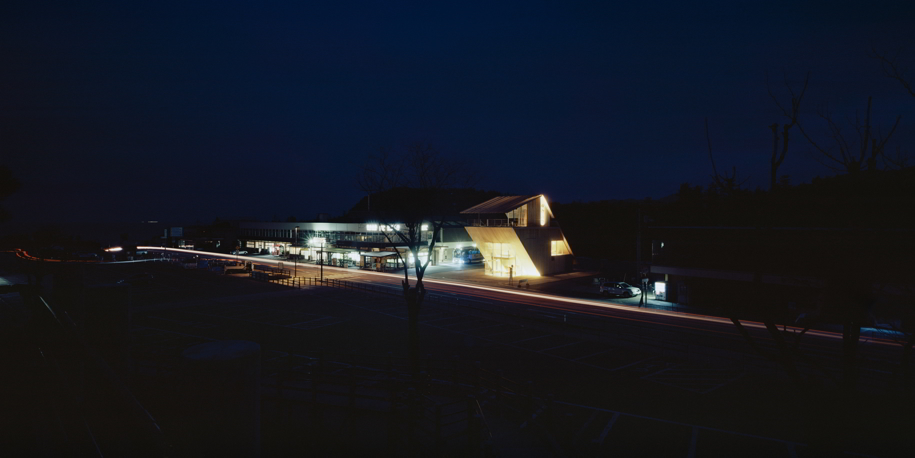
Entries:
{"x":187,"y":111}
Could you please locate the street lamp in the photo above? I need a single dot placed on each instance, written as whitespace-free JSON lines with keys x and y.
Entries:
{"x":295,"y":256}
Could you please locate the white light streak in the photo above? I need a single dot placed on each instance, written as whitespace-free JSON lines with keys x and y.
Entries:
{"x":508,"y":291}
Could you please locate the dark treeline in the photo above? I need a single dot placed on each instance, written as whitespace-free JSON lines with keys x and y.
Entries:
{"x":880,"y":200}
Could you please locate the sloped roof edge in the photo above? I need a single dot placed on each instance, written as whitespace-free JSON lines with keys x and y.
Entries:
{"x":501,"y":204}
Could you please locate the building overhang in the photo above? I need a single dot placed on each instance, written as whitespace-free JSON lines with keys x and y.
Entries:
{"x":523,"y":264}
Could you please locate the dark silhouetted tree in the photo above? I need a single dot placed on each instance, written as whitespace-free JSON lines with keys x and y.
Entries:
{"x":852,"y":156}
{"x":408,"y":189}
{"x":780,"y":144}
{"x":892,"y":69}
{"x":727,"y":184}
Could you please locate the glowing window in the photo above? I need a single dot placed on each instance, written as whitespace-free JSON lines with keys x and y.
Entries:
{"x":558,"y":248}
{"x":542,"y":211}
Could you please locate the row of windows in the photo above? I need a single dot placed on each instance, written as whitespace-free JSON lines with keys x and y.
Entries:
{"x":272,"y":233}
{"x":331,"y":236}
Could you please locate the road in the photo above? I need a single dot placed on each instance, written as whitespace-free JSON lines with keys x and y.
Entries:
{"x":575,"y":347}
{"x":681,"y":332}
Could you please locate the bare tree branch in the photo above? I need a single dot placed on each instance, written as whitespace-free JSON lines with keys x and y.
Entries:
{"x":867,"y":154}
{"x":727,"y":183}
{"x":792,"y":114}
{"x":409,"y":186}
{"x":891,"y":69}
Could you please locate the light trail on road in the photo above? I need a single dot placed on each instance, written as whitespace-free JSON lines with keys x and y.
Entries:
{"x":537,"y":299}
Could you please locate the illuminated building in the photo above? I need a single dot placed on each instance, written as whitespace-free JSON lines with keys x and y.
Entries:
{"x":517,"y":236}
{"x":367,"y":245}
{"x":511,"y":235}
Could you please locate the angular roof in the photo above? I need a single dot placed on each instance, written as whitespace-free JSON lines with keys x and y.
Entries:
{"x":501,"y":204}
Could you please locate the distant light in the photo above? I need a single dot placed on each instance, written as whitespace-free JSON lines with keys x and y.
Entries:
{"x":371,"y":227}
{"x":660,"y":290}
{"x":397,"y":227}
{"x":113,"y":249}
{"x":425,"y":227}
{"x":317,"y":241}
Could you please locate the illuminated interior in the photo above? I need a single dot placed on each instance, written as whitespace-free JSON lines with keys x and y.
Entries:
{"x":559,"y":248}
{"x":518,"y":216}
{"x":502,"y":252}
{"x":543,"y":208}
{"x":501,"y":258}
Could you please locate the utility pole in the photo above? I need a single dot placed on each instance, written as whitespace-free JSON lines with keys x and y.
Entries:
{"x":638,"y":254}
{"x":295,"y":259}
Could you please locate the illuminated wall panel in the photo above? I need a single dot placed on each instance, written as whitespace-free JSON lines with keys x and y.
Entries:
{"x":507,"y":241}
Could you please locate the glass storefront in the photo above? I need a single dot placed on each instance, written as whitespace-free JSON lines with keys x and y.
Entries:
{"x":501,"y":260}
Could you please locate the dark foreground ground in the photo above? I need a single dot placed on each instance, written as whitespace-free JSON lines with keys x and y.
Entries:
{"x":335,"y":381}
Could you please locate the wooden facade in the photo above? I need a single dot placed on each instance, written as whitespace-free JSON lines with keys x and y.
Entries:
{"x":525,"y":243}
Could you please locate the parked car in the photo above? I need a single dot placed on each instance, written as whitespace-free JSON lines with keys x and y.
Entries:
{"x":618,"y":288}
{"x":466,"y":256}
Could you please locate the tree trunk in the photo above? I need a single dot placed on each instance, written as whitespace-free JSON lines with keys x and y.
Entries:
{"x":413,"y":330}
{"x":773,"y":163}
{"x":784,"y":353}
{"x":903,"y":371}
{"x":414,"y":298}
{"x":851,"y":331}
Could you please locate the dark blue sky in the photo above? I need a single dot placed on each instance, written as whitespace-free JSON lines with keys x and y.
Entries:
{"x":188,"y":111}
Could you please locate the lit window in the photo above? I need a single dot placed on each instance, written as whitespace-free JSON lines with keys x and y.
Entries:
{"x":425,"y":227}
{"x":371,"y":227}
{"x":558,"y":248}
{"x":542,"y":211}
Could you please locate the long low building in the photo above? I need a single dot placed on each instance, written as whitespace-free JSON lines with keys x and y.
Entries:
{"x":501,"y":236}
{"x":347,"y":244}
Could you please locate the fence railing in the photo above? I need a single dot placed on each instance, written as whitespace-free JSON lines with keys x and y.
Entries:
{"x":582,"y":325}
{"x":495,"y":222}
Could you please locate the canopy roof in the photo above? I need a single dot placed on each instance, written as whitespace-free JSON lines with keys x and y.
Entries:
{"x":501,"y":204}
{"x":377,"y":254}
